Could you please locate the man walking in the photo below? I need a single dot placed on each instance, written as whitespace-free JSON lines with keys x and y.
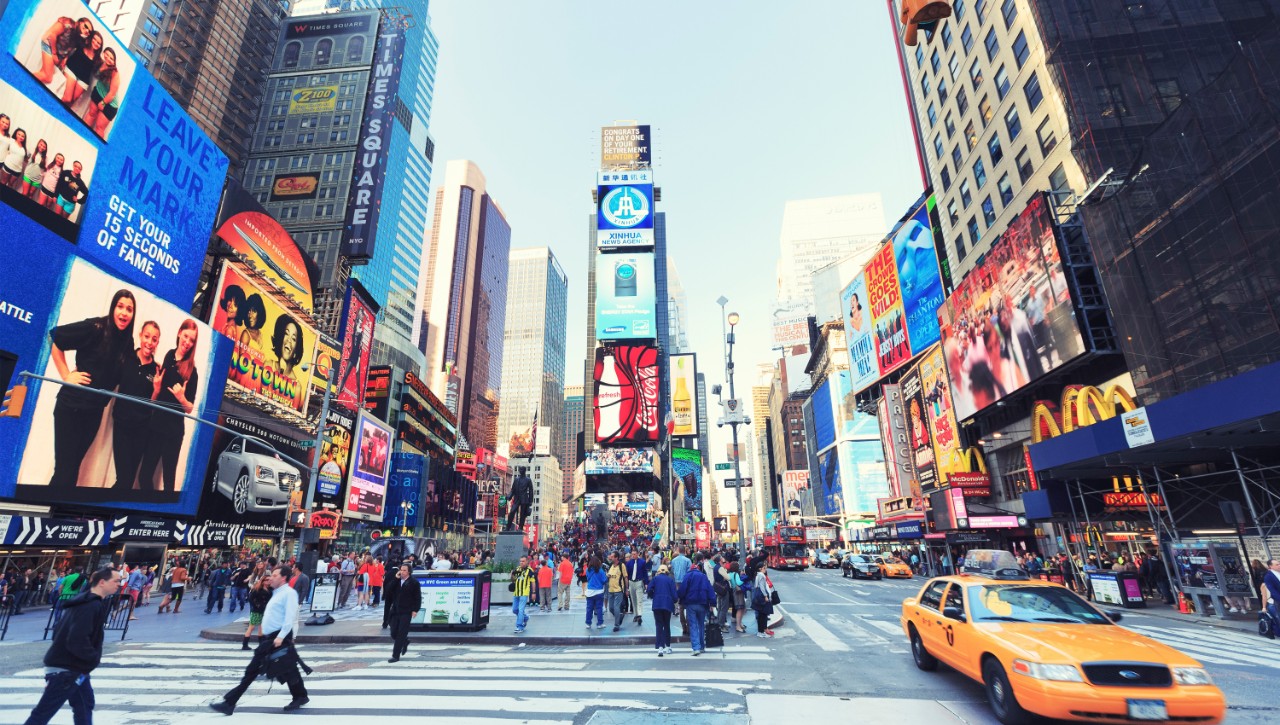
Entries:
{"x":278,"y":623}
{"x":565,"y":582}
{"x":218,"y":581}
{"x":679,"y":569}
{"x":240,"y":586}
{"x":546,"y":577}
{"x":720,"y":585}
{"x":638,"y":576}
{"x":405,"y":606}
{"x":697,"y":596}
{"x":75,"y":652}
{"x":522,"y":582}
{"x":617,"y":589}
{"x":1271,"y":583}
{"x":348,"y":571}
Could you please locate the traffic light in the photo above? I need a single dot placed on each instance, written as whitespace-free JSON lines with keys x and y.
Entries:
{"x":13,"y":399}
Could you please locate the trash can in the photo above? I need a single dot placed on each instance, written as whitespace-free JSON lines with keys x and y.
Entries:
{"x":1120,"y":588}
{"x":453,"y":601}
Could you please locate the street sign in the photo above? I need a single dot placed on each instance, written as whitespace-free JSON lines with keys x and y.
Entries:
{"x":307,"y":443}
{"x":737,"y":483}
{"x":724,"y":466}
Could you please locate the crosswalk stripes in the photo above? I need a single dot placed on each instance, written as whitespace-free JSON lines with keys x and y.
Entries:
{"x":1216,"y":645}
{"x":167,"y":684}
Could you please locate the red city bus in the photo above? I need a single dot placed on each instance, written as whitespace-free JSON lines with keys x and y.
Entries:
{"x":787,"y":548}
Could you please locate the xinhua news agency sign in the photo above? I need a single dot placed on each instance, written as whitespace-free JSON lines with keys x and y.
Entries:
{"x":375,"y":141}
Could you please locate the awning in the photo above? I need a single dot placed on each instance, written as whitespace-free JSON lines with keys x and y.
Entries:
{"x":1200,"y":426}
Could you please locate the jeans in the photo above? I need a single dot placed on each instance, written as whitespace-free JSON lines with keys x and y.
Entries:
{"x":596,"y":604}
{"x":563,"y":595}
{"x":662,"y":618}
{"x":615,"y":607}
{"x":239,"y":596}
{"x":63,"y":687}
{"x":697,"y":615}
{"x":520,"y":608}
{"x":215,"y":596}
{"x":377,"y":595}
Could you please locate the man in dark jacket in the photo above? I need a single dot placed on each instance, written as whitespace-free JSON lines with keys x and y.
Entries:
{"x":218,"y":581}
{"x":697,"y":596}
{"x":406,"y":605}
{"x":76,"y":651}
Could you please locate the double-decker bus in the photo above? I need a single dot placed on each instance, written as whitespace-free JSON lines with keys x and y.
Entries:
{"x":787,"y":548}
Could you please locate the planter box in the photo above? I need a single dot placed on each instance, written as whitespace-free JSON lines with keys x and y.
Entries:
{"x":498,"y":594}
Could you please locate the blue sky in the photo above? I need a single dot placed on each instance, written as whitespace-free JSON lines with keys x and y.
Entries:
{"x":752,"y":103}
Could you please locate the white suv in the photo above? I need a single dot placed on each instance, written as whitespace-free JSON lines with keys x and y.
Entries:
{"x":254,"y":477}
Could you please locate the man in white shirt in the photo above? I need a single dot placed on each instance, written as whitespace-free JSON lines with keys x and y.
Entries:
{"x":279,"y":621}
{"x":442,"y":562}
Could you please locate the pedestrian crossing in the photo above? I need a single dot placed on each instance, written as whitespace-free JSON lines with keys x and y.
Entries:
{"x":166,"y":683}
{"x":1216,"y":645}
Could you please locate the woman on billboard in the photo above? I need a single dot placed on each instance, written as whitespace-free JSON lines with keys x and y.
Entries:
{"x":176,"y":386}
{"x":101,"y":346}
{"x":62,"y":39}
{"x":34,"y":172}
{"x":286,"y":343}
{"x":104,"y":99}
{"x":137,"y":378}
{"x":252,"y":317}
{"x":15,"y":159}
{"x":231,"y":303}
{"x":79,"y":68}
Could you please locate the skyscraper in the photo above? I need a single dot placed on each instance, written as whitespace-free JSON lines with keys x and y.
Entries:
{"x":566,"y":439}
{"x":304,"y":152}
{"x":817,"y":232}
{"x":533,"y":343}
{"x":464,"y":301}
{"x":212,"y":56}
{"x":677,"y":311}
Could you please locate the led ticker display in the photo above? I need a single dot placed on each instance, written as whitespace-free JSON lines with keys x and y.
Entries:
{"x":425,"y":423}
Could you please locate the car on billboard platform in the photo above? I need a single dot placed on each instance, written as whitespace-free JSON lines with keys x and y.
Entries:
{"x":254,"y":477}
{"x":1041,"y":650}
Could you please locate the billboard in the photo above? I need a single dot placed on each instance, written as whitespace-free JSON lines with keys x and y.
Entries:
{"x":626,"y":394}
{"x":618,"y":460}
{"x":365,"y":203}
{"x":427,"y":425}
{"x":270,"y":342}
{"x":404,"y":490}
{"x":828,"y":494}
{"x":625,"y":147}
{"x":106,"y":334}
{"x":377,"y":392}
{"x":919,"y":439}
{"x":335,"y":458}
{"x":884,"y":298}
{"x":863,"y":368}
{"x":684,"y":393}
{"x":790,"y":328}
{"x":359,"y":313}
{"x":893,"y":435}
{"x":939,"y":416}
{"x":624,"y":209}
{"x":367,"y":479}
{"x":345,"y":24}
{"x":1010,"y":321}
{"x":261,"y":244}
{"x":295,"y":187}
{"x":686,"y":466}
{"x":625,"y":296}
{"x":919,"y":277}
{"x":793,"y":482}
{"x":313,"y":99}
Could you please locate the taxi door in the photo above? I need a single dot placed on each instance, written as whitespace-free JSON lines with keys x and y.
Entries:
{"x":958,"y":646}
{"x":927,"y":616}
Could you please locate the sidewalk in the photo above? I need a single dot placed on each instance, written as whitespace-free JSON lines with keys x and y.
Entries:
{"x":1247,"y":622}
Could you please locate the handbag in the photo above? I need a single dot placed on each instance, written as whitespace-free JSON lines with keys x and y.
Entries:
{"x":774,"y":599}
{"x":511,"y":586}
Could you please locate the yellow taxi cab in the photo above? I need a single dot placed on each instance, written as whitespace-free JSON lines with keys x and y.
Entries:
{"x":892,"y":566}
{"x":1040,"y":649}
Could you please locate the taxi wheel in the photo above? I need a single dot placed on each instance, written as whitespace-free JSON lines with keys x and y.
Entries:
{"x":1000,"y":694}
{"x":924,"y":660}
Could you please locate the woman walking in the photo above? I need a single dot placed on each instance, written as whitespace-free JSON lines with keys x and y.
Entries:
{"x":662,"y":589}
{"x":259,"y":595}
{"x":176,"y":386}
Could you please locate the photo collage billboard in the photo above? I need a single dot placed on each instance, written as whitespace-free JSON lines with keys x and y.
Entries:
{"x":111,"y":190}
{"x":1010,"y":320}
{"x":627,"y":387}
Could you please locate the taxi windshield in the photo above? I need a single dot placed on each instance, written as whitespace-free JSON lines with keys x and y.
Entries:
{"x":1021,"y":603}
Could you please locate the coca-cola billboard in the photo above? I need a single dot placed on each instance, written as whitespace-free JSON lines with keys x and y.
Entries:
{"x":626,"y":394}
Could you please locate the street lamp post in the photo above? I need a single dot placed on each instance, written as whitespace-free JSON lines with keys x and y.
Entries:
{"x":319,"y":445}
{"x":733,"y":424}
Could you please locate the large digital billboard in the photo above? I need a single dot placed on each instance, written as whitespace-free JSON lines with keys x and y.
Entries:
{"x":684,"y":393}
{"x":918,"y":276}
{"x":625,"y":296}
{"x":1010,"y":320}
{"x":884,"y":296}
{"x":108,"y":335}
{"x":271,"y":343}
{"x":625,"y":147}
{"x":686,"y":466}
{"x":261,"y":244}
{"x":371,"y":465}
{"x":626,"y":394}
{"x":939,"y":415}
{"x":359,"y":313}
{"x":624,"y":209}
{"x":863,"y":370}
{"x":335,"y":458}
{"x":604,"y":461}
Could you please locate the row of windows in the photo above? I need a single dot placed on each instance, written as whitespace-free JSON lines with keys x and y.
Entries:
{"x":323,"y":51}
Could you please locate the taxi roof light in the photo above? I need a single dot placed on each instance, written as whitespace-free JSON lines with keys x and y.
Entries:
{"x":994,"y":564}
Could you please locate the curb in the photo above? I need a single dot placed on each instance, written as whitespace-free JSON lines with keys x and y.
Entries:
{"x":1236,"y":625}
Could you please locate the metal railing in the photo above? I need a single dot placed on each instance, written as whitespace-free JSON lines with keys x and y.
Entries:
{"x":119,"y":614}
{"x":6,"y":611}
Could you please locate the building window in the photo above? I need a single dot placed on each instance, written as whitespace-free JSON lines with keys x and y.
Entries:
{"x":1010,"y":12}
{"x":1058,"y":181}
{"x":993,"y":148}
{"x":300,"y":162}
{"x":937,"y":147}
{"x":946,"y":177}
{"x":1169,"y":93}
{"x":1023,"y":161}
{"x":985,"y":111}
{"x":970,"y":135}
{"x":328,"y":192}
{"x":935,"y":62}
{"x":156,"y":12}
{"x":980,"y":8}
{"x":988,"y":212}
{"x":281,"y":96}
{"x":1006,"y":190}
{"x":1033,"y":92}
{"x":956,"y":157}
{"x":962,"y":101}
{"x":946,"y":35}
{"x":1020,"y":49}
{"x":323,"y":210}
{"x":290,"y":212}
{"x":266,"y":164}
{"x":1048,"y":139}
{"x":1002,"y":83}
{"x":960,"y":245}
{"x":1111,"y":101}
{"x":925,"y":88}
{"x":330,"y":176}
{"x":355,"y":49}
{"x":146,"y":44}
{"x":954,"y":67}
{"x":933,"y":115}
{"x":309,"y":122}
{"x":150,"y":27}
{"x":974,"y":233}
{"x":308,"y":137}
{"x":275,"y":125}
{"x":966,"y":198}
{"x":280,"y":110}
{"x":919,"y":56}
{"x":966,"y":39}
{"x":975,"y":74}
{"x":324,"y":51}
{"x":942,"y":90}
{"x":949,"y":125}
{"x":271,"y":141}
{"x":992,"y":43}
{"x":334,"y":159}
{"x":292,"y":51}
{"x":1012,"y":124}
{"x":953,"y":215}
{"x":957,"y":9}
{"x":979,"y":173}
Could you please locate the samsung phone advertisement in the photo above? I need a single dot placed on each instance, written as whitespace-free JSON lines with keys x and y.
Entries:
{"x":106,"y":228}
{"x":367,"y":483}
{"x":625,"y":296}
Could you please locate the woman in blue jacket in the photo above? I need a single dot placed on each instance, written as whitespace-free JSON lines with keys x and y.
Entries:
{"x":597,"y":581}
{"x":663,"y":591}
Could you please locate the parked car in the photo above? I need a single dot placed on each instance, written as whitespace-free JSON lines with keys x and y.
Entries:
{"x":860,"y":566}
{"x":254,"y":477}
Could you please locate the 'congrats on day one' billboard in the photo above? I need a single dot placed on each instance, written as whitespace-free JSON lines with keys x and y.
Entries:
{"x":106,"y":207}
{"x":624,"y":209}
{"x":625,"y":296}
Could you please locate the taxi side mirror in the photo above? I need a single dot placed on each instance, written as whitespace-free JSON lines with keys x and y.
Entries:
{"x":954,"y":613}
{"x":1115,"y":616}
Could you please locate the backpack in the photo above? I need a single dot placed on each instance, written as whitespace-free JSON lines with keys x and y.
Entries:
{"x":714,"y":637}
